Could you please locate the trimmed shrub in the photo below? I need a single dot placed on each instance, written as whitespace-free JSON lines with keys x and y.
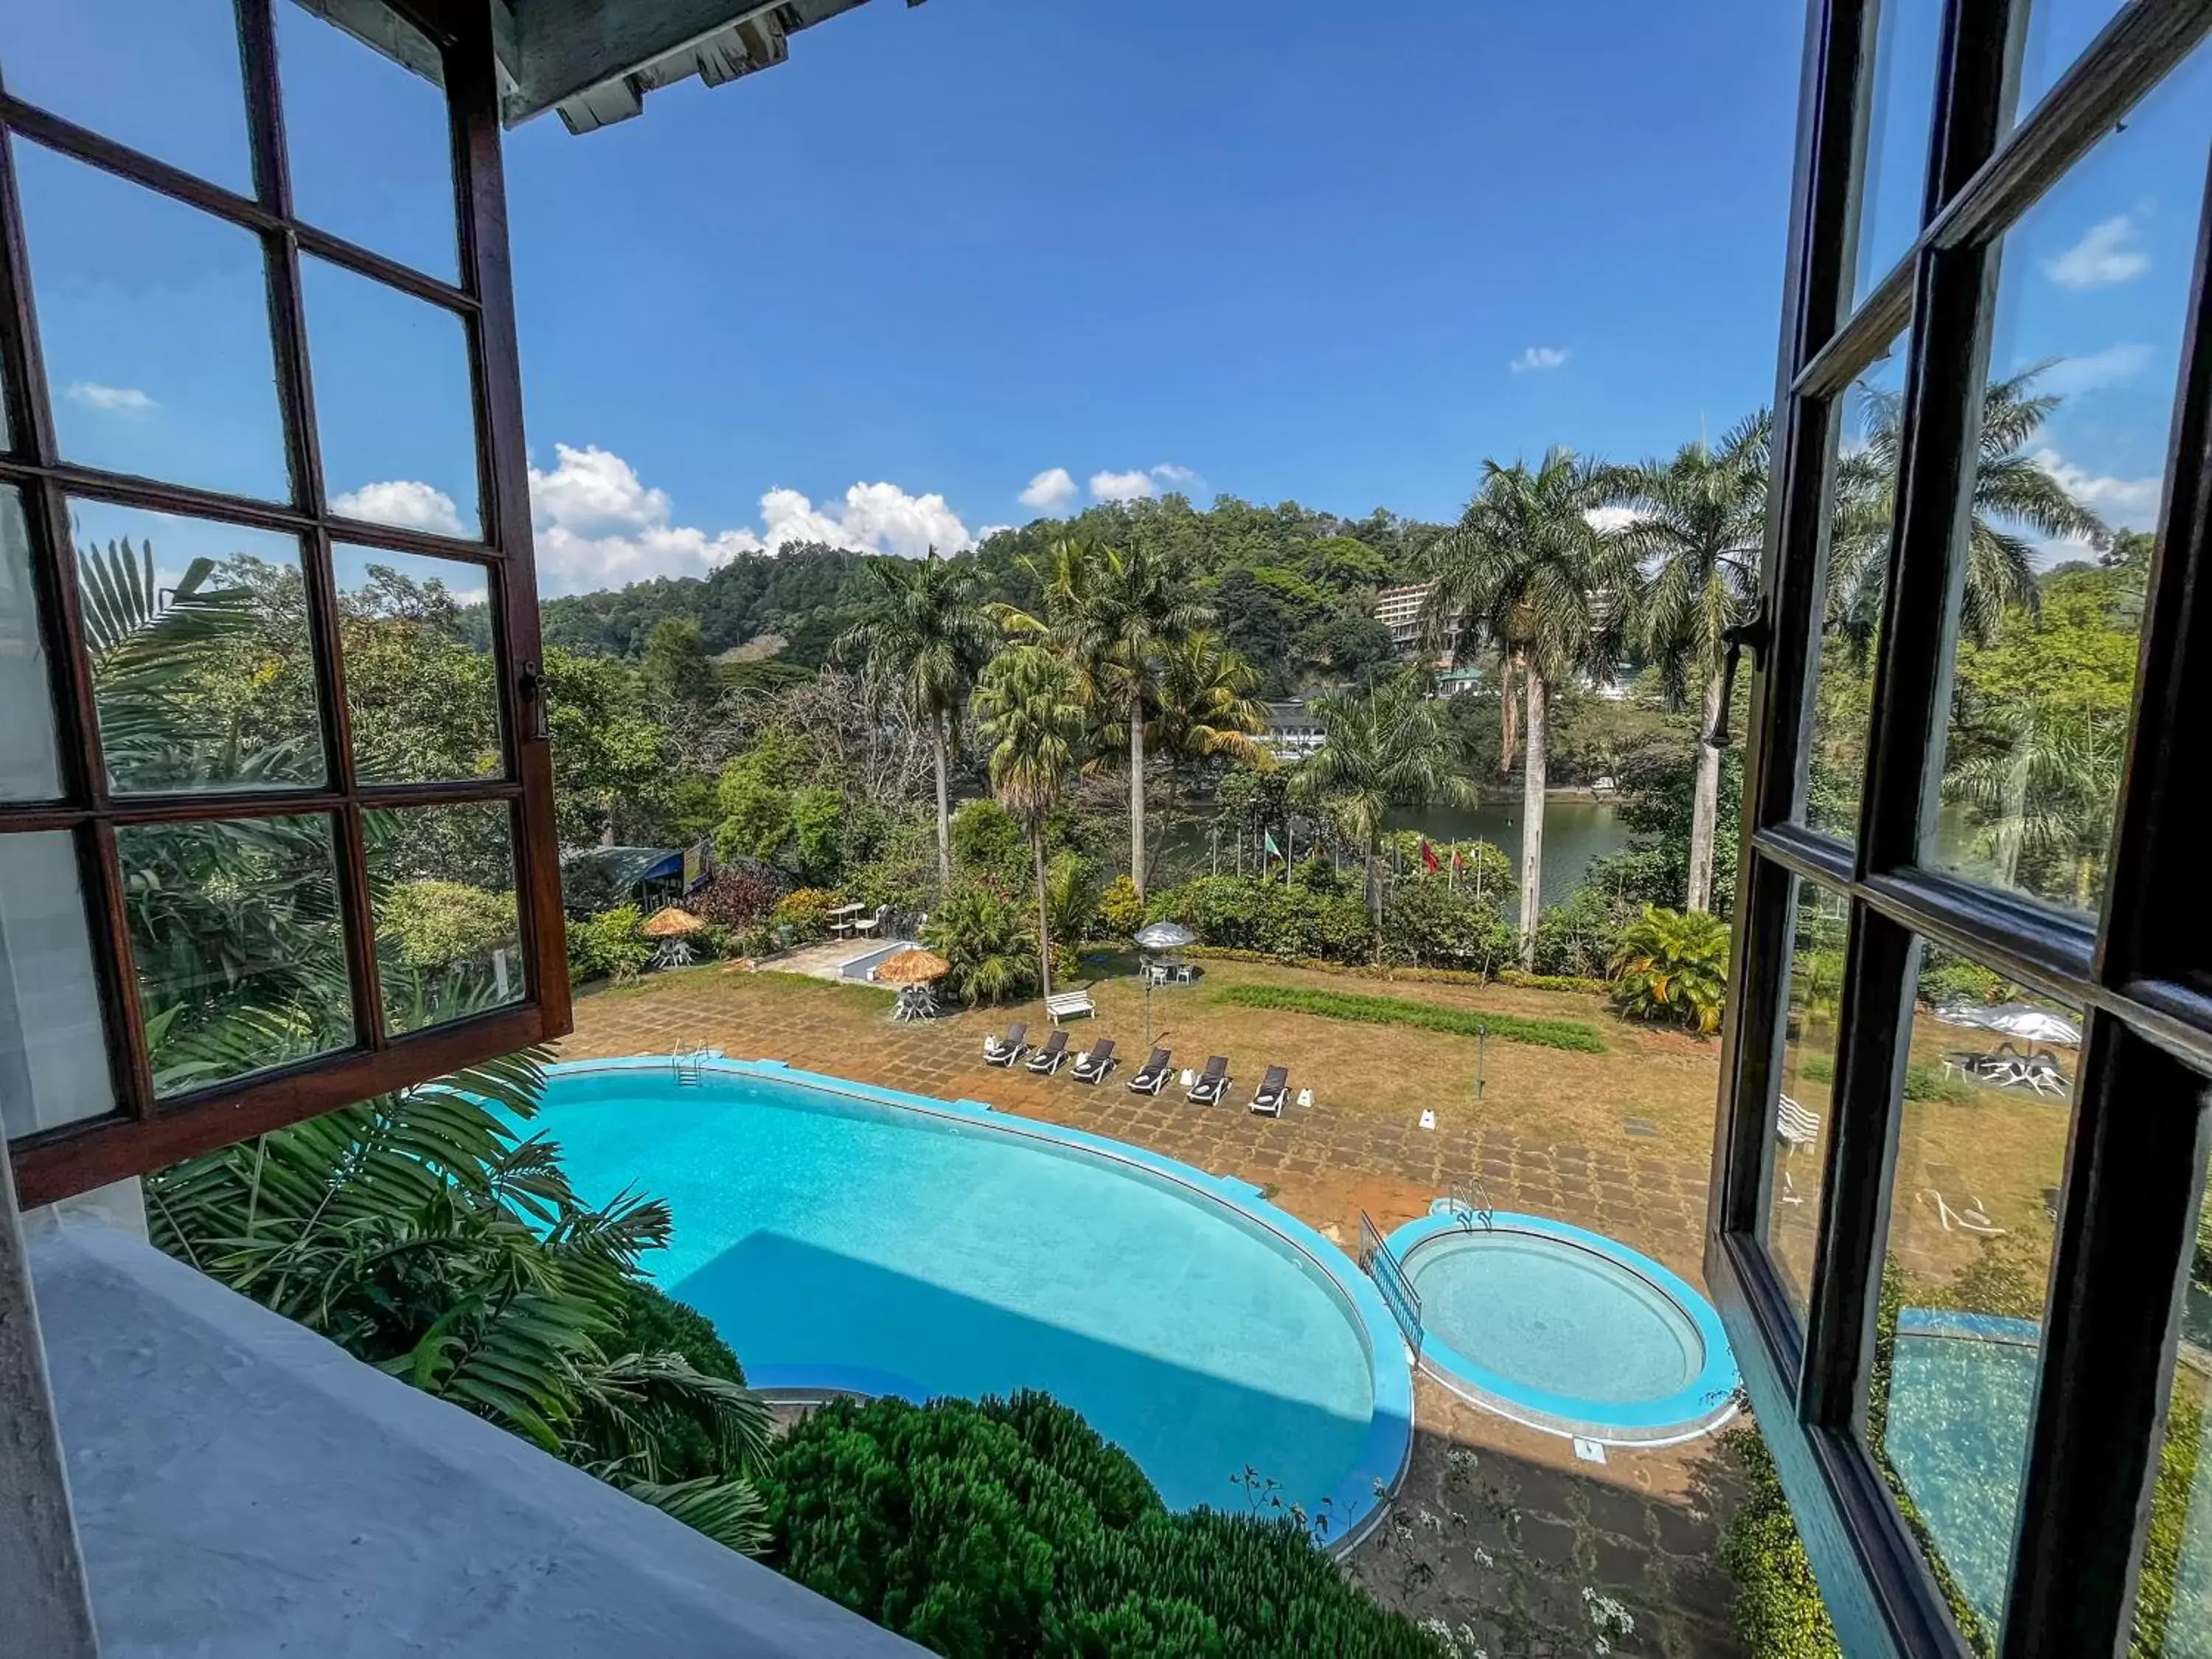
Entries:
{"x":1569,"y":1034}
{"x":1008,"y":1527}
{"x":1578,"y":938}
{"x":1577,"y":983}
{"x":1778,"y":1610}
{"x":1121,"y":912}
{"x":609,"y":944}
{"x":1430,"y":922}
{"x":1245,"y":913}
{"x":806,"y":913}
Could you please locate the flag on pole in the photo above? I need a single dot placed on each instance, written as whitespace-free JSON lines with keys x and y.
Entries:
{"x":1455,"y":857}
{"x":1272,"y":849}
{"x":1428,"y":857}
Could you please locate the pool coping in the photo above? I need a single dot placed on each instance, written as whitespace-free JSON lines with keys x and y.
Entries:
{"x":1389,"y":1442}
{"x":1701,"y":1407}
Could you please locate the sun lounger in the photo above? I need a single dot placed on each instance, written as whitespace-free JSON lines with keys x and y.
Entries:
{"x":1005,"y":1050}
{"x":1068,"y":1004}
{"x":1267,"y":1098}
{"x":1090,"y":1067}
{"x":1956,"y":1207}
{"x":1212,"y":1083}
{"x":1045,"y":1061}
{"x":1151,"y":1077}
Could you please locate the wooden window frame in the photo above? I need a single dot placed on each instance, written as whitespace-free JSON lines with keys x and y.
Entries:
{"x":143,"y":1132}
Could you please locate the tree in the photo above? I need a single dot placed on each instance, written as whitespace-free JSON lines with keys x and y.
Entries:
{"x":1527,"y":567}
{"x":1388,"y":746}
{"x":675,"y":667}
{"x":1112,"y":614}
{"x":1700,"y":523}
{"x":925,"y":630}
{"x":1031,"y":708}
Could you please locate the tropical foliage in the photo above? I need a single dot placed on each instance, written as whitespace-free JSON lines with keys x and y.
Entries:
{"x":1672,"y":965}
{"x":1031,"y":717}
{"x":1386,"y":747}
{"x":990,"y":942}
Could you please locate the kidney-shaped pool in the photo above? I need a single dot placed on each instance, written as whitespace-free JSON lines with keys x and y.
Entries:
{"x":842,"y":1235}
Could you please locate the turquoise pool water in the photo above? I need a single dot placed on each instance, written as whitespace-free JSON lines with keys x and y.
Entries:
{"x":924,"y":1248}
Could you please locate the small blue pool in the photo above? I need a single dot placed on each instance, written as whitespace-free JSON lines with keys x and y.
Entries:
{"x":842,"y":1235}
{"x":1564,"y":1329}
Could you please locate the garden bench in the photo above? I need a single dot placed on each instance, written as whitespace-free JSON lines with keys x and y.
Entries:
{"x":1068,"y":1004}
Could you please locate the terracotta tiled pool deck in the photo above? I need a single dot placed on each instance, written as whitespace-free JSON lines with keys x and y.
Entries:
{"x":1498,"y":1526}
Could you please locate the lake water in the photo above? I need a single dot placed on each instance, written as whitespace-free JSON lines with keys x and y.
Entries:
{"x":1576,"y":831}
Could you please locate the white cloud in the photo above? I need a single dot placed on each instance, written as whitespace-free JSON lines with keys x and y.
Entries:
{"x":403,"y":502}
{"x":1050,"y":491}
{"x":2104,"y":258}
{"x":2093,"y":371}
{"x":1140,"y":483}
{"x":599,"y":525}
{"x":989,"y":531}
{"x":1538,"y":357}
{"x":1613,"y":518}
{"x":111,"y":399}
{"x":2124,"y":503}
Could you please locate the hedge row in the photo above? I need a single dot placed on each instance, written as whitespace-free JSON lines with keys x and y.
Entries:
{"x":1512,"y":976}
{"x":1569,"y":1034}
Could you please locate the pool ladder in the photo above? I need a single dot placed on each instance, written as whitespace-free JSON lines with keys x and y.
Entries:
{"x":685,"y":1063}
{"x":1470,"y":1199}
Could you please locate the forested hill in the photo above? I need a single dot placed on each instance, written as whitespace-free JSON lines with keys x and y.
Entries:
{"x":1292,"y":589}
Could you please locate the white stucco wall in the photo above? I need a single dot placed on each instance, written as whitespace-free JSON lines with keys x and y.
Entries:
{"x":244,"y":1487}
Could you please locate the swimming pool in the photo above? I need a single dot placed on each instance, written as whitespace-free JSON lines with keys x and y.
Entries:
{"x":1566,"y":1329}
{"x":843,"y":1235}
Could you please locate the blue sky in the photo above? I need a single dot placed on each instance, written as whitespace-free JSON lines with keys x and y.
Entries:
{"x":878,"y":294}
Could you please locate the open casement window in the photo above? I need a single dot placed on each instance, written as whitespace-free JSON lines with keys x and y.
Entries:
{"x":1958,"y":1232}
{"x":276,"y":815}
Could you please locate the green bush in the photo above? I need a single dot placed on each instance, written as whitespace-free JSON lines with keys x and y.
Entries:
{"x":1579,"y":938}
{"x":435,"y":924}
{"x":1778,"y":1610}
{"x":609,"y":944}
{"x":1247,"y":913}
{"x":1432,"y":922}
{"x":818,"y":829}
{"x":1672,"y":965}
{"x":1009,"y":1528}
{"x":1569,"y":1034}
{"x":1580,"y":984}
{"x":991,"y":943}
{"x":987,"y":841}
{"x":805,"y":912}
{"x":1121,"y":912}
{"x":651,"y":1321}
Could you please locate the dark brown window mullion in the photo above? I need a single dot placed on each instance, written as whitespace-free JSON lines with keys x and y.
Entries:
{"x":46,"y":514}
{"x":503,"y":466}
{"x":257,"y":31}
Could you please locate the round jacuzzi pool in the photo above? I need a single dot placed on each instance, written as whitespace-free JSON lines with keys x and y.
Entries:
{"x":1564,"y":1329}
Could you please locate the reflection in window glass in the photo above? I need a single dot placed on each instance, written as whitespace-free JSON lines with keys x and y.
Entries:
{"x":1981,"y":1153}
{"x":448,"y":934}
{"x":1802,"y":1114}
{"x":392,"y":404}
{"x":1898,"y":125}
{"x":2094,"y":286}
{"x":2058,"y":31}
{"x":53,"y":1050}
{"x":153,"y":318}
{"x":203,"y":667}
{"x":29,"y":769}
{"x":371,"y":154}
{"x":240,"y":951}
{"x":2173,"y":1589}
{"x":160,"y":75}
{"x":1862,"y":506}
{"x":418,"y":668}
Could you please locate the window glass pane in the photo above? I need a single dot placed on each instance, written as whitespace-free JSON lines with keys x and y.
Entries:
{"x":153,"y":317}
{"x":392,"y":404}
{"x":1803,"y":1115}
{"x":29,"y":769}
{"x":1898,"y":125}
{"x":203,"y":669}
{"x":160,"y":75}
{"x":1981,"y":1152}
{"x":239,"y":947}
{"x":2093,"y":297}
{"x":1862,"y":506}
{"x":371,"y":152}
{"x":53,"y":1047}
{"x":2173,"y":1589}
{"x":448,"y":936}
{"x":2058,"y":31}
{"x":419,"y":679}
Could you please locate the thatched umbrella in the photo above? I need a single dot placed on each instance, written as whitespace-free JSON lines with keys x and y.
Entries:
{"x":672,"y":923}
{"x":916,"y":966}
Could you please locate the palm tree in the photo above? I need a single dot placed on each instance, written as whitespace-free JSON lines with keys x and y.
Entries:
{"x":1701,"y":522}
{"x":1202,"y":708}
{"x":1031,"y":705}
{"x":2012,"y":487}
{"x":927,"y":631}
{"x":1526,"y":567}
{"x":1388,"y":746}
{"x":2047,"y":796}
{"x":1113,"y":615}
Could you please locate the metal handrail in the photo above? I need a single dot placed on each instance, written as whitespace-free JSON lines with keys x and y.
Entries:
{"x":1470,"y":1199}
{"x":1377,"y":1262}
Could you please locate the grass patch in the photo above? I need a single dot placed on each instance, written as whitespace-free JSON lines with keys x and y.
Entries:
{"x":1569,"y":1034}
{"x":1921,"y":1082}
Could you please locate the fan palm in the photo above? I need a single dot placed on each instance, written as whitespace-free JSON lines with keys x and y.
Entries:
{"x":422,"y":1234}
{"x":1112,"y":615}
{"x":1527,"y":567}
{"x":1700,"y":520}
{"x":925,"y":630}
{"x":1388,"y":746}
{"x":1030,"y":704}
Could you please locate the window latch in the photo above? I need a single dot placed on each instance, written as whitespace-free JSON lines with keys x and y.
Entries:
{"x":533,"y":685}
{"x":1753,"y":634}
